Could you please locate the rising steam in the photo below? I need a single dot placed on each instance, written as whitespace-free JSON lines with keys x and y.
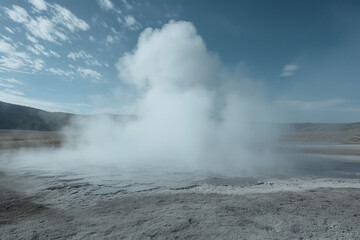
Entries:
{"x":191,"y":113}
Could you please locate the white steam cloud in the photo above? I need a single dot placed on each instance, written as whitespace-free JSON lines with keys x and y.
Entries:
{"x":191,"y":113}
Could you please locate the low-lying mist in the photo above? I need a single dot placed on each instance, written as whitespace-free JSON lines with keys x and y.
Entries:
{"x":192,"y":113}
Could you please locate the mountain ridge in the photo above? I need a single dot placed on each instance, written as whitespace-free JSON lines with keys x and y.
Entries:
{"x":18,"y":117}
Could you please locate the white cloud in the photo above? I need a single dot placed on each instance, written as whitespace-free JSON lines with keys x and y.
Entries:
{"x":60,"y":72}
{"x":92,"y":62}
{"x":12,"y":97}
{"x":6,"y":47}
{"x":9,"y":30}
{"x":76,"y":55}
{"x":114,"y":30}
{"x":55,"y":54}
{"x":12,"y":80}
{"x":66,"y":18}
{"x":290,"y":67}
{"x":6,"y":85}
{"x":130,"y":20}
{"x":34,"y":50}
{"x":53,"y":28}
{"x":17,"y":14}
{"x":9,"y":86}
{"x":115,"y":37}
{"x":286,"y":74}
{"x":38,"y":64}
{"x":31,"y":39}
{"x":105,"y":4}
{"x":91,"y":38}
{"x":13,"y":59}
{"x":109,"y":39}
{"x":289,"y":70}
{"x":89,"y":59}
{"x":11,"y":62}
{"x":89,"y":73}
{"x":12,"y":92}
{"x":45,"y":29}
{"x":126,"y":4}
{"x":39,"y":5}
{"x":131,"y":23}
{"x":6,"y":38}
{"x":40,"y":50}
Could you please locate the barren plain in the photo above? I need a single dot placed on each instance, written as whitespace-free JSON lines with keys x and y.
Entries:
{"x":317,"y":197}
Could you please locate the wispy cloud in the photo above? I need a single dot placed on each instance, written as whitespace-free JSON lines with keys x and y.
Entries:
{"x":9,"y":30}
{"x":20,"y":99}
{"x":17,"y":14}
{"x":89,"y":73}
{"x":13,"y":59}
{"x":113,"y":37}
{"x":45,"y":29}
{"x":56,"y":26}
{"x":12,"y":92}
{"x":31,"y":39}
{"x":6,"y":85}
{"x":107,"y":5}
{"x":10,"y":62}
{"x":38,"y":64}
{"x":60,"y":72}
{"x":131,"y":23}
{"x":127,"y":5}
{"x":11,"y":80}
{"x":9,"y":86}
{"x":289,"y":70}
{"x":6,"y":47}
{"x":65,"y":17}
{"x":38,"y":49}
{"x":88,"y":58}
{"x":109,"y":39}
{"x":6,"y":38}
{"x":39,"y":5}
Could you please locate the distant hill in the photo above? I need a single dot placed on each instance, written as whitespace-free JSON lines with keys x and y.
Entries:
{"x":323,"y":132}
{"x":326,"y":127}
{"x":18,"y":117}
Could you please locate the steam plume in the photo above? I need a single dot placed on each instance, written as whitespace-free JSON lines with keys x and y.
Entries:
{"x":192,"y":113}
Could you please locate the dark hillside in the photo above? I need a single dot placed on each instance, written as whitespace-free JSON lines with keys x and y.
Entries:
{"x":26,"y":118}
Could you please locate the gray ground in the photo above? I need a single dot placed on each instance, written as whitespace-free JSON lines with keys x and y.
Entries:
{"x":288,"y":209}
{"x":316,"y":196}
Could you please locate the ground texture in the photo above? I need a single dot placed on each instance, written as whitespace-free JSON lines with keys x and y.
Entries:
{"x":71,"y":211}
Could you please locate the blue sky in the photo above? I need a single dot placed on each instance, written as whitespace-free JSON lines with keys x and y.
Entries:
{"x":62,"y":55}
